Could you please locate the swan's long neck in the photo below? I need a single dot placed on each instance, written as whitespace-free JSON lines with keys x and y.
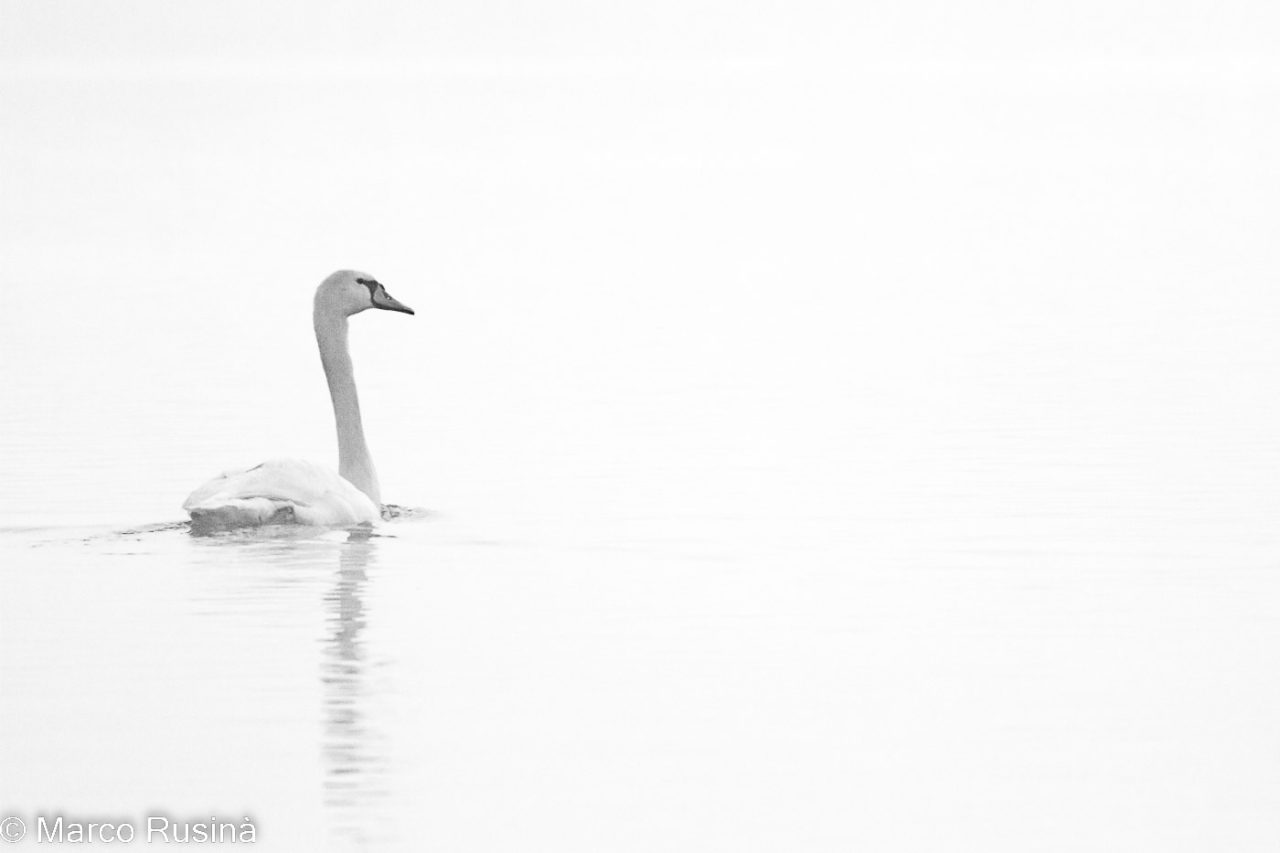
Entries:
{"x":354,"y":462}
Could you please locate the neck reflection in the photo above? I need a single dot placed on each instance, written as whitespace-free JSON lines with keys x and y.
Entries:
{"x":355,"y":765}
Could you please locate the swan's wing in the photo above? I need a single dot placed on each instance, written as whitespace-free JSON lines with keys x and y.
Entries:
{"x":280,"y":490}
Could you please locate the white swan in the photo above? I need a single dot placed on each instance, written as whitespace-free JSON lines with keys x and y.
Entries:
{"x":291,"y":490}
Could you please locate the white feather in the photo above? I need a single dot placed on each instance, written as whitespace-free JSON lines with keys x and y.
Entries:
{"x":280,"y":490}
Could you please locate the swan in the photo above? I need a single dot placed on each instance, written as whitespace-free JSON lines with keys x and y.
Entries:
{"x":293,"y":490}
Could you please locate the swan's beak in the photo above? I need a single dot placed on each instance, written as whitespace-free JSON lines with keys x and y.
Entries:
{"x":384,"y":300}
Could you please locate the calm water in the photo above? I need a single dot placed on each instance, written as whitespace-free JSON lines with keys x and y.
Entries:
{"x":807,"y":464}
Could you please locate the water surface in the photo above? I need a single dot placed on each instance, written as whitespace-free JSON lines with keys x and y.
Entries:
{"x":897,"y":476}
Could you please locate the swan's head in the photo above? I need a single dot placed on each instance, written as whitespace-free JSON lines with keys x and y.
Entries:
{"x":348,"y":292}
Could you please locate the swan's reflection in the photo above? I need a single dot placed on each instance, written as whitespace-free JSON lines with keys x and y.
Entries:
{"x":355,"y":768}
{"x":264,"y":572}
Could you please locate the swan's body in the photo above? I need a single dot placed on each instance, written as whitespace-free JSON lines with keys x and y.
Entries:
{"x":281,"y":490}
{"x":292,"y":490}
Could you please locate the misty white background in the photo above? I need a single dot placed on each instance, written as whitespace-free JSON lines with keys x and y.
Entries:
{"x":845,"y":426}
